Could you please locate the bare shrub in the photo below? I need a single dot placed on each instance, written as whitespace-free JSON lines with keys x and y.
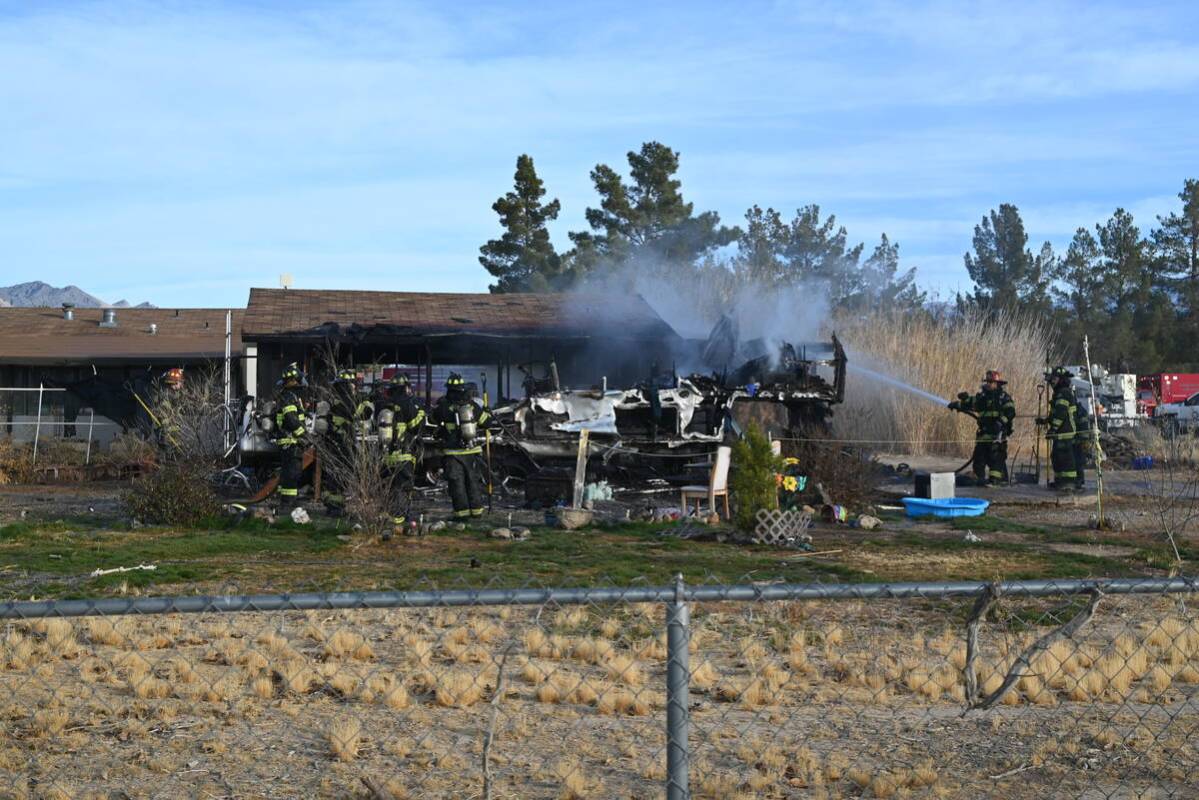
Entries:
{"x":178,"y":493}
{"x":943,"y":356}
{"x":129,"y":448}
{"x":16,"y":462}
{"x":356,"y":466}
{"x":190,"y":425}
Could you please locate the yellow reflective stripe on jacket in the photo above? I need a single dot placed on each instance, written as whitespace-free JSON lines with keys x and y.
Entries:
{"x":470,"y":451}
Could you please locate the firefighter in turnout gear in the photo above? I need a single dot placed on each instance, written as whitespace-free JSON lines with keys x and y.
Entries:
{"x":344,"y":411}
{"x":399,"y":421}
{"x":166,"y":413}
{"x":995,"y":411}
{"x":1082,"y":443}
{"x":1062,"y":429}
{"x":290,"y":434}
{"x":460,"y":420}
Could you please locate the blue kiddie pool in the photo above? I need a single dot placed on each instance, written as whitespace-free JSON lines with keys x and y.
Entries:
{"x":949,"y":507}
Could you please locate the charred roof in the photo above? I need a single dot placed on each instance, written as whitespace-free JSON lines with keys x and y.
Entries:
{"x":290,"y":313}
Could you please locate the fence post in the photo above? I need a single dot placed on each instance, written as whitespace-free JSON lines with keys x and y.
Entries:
{"x":678,"y":691}
{"x":37,"y":431}
{"x":91,"y":426}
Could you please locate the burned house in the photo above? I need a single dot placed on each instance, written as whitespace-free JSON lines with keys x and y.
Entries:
{"x":79,"y":365}
{"x":509,"y":345}
{"x":786,"y":388}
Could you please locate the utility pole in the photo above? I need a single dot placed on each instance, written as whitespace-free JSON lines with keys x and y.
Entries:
{"x":1086,"y":352}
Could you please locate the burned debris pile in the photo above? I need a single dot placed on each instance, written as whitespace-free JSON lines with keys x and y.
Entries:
{"x":786,"y":388}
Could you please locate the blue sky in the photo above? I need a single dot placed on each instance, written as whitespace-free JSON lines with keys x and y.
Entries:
{"x":182,"y":152}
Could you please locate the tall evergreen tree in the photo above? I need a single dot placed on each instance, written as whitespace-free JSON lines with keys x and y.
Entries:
{"x":818,"y":253}
{"x":883,"y":285}
{"x":1176,"y":253}
{"x":647,"y":222}
{"x":1138,"y":312}
{"x":761,"y":248}
{"x":523,"y":259}
{"x":1004,"y":270}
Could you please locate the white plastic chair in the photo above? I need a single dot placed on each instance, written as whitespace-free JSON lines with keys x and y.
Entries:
{"x":718,"y":485}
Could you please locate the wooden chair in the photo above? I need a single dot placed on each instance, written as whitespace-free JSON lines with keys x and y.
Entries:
{"x":718,"y":485}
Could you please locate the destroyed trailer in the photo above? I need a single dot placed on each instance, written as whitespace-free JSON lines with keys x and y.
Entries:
{"x":653,"y":428}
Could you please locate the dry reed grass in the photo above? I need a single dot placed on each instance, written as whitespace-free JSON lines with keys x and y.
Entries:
{"x":942,"y":357}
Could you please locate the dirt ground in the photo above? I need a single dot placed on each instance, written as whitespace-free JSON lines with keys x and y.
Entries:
{"x":788,"y":701}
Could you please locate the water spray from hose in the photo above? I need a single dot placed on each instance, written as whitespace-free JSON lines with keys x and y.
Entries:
{"x":898,"y":384}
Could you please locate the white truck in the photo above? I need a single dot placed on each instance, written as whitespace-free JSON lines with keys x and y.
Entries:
{"x":1179,"y":417}
{"x":1116,"y":393}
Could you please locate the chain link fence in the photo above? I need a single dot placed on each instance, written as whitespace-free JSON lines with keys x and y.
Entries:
{"x":1070,"y":688}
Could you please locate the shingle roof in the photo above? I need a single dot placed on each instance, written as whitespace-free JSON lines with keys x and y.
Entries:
{"x":42,"y":336}
{"x":288,"y":312}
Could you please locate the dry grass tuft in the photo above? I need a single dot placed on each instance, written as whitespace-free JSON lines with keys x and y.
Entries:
{"x":533,"y":674}
{"x":624,"y":669}
{"x":345,"y":738}
{"x":348,"y":644}
{"x":573,"y":782}
{"x":50,"y":722}
{"x":456,"y":689}
{"x":111,"y":632}
{"x":705,"y":676}
{"x":297,"y":676}
{"x":614,"y":701}
{"x":263,"y":687}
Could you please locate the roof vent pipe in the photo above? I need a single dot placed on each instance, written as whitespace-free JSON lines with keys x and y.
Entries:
{"x":109,"y":318}
{"x":68,"y":311}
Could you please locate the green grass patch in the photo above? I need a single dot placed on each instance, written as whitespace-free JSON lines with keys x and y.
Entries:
{"x":55,"y":559}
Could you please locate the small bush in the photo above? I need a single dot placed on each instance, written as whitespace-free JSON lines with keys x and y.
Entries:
{"x":753,"y":483}
{"x":16,"y":462}
{"x":848,"y":475}
{"x":129,"y":448}
{"x":175,"y":494}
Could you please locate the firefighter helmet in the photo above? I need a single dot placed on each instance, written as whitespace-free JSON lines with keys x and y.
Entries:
{"x":1058,"y":373}
{"x":455,"y":381}
{"x":347,"y":375}
{"x":994,"y":376}
{"x":174,"y":377}
{"x":399,"y":379}
{"x":292,"y":374}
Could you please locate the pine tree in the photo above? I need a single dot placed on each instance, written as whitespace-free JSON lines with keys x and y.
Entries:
{"x":817,"y":253}
{"x":1006,"y":275}
{"x":523,"y":259}
{"x":646,"y":222}
{"x":883,"y":286}
{"x":761,"y":248}
{"x":1176,"y":256}
{"x":1138,"y":311}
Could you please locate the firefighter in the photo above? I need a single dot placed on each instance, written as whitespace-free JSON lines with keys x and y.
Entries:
{"x":1061,"y":422}
{"x":290,"y":435}
{"x":995,"y":411}
{"x":167,"y":409}
{"x":459,"y":418}
{"x":1082,"y":443}
{"x":344,"y":410}
{"x":400,"y":420}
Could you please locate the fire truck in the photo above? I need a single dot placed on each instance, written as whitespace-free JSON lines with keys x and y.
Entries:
{"x":1165,"y":388}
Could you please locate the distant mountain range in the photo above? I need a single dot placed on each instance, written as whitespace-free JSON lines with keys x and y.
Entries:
{"x":37,"y":293}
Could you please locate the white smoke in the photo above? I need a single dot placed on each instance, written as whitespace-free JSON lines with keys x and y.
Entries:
{"x":693,"y":306}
